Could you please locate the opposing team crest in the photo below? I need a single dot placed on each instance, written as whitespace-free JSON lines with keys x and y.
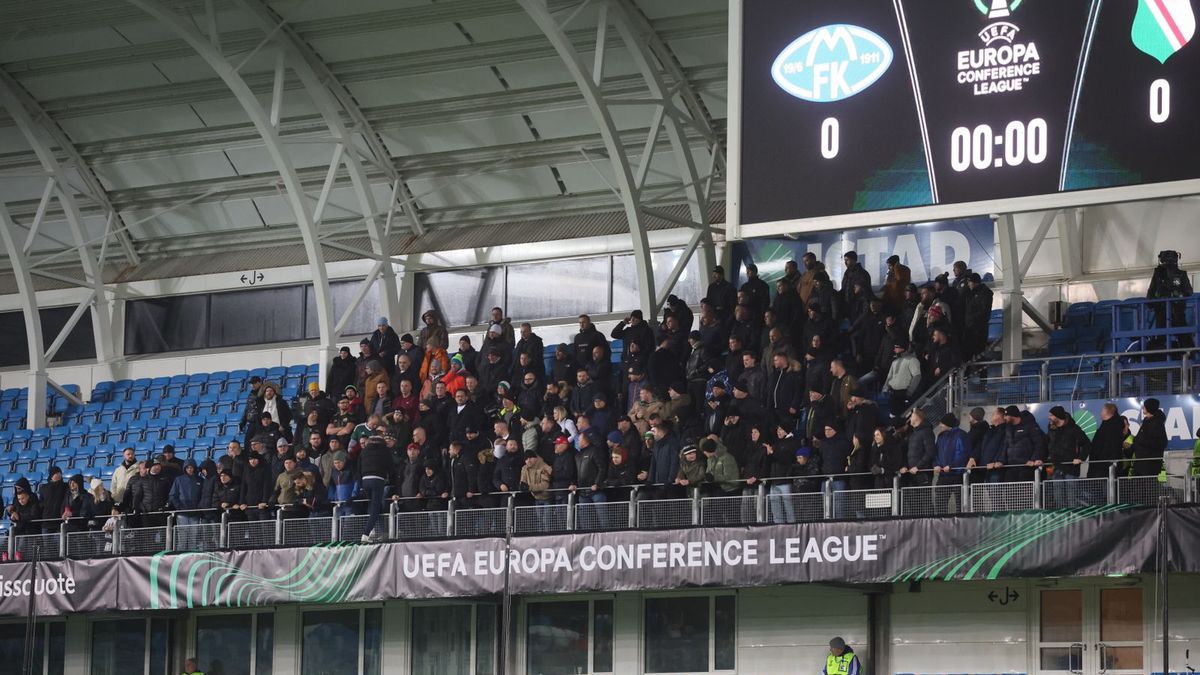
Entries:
{"x":1163,"y":27}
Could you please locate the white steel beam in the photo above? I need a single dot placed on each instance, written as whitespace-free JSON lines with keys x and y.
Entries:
{"x":33,"y":324}
{"x":294,"y":191}
{"x":1035,"y":244}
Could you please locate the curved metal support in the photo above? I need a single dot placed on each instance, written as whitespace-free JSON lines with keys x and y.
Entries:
{"x":307,"y":222}
{"x":675,"y":107}
{"x":59,"y":187}
{"x":331,"y":100}
{"x":91,"y":184}
{"x":29,"y":308}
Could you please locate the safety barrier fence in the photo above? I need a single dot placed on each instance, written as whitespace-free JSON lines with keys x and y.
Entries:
{"x":765,"y":502}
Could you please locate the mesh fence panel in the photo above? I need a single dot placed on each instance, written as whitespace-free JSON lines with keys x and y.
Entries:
{"x":421,"y":525}
{"x":352,"y":528}
{"x":1144,"y":490}
{"x":198,"y":537}
{"x":143,"y":540}
{"x":739,"y":510}
{"x":862,"y":503}
{"x":89,"y":544}
{"x":996,"y":391}
{"x":1145,"y":382}
{"x":252,"y":534}
{"x":540,"y":519}
{"x":480,"y":522}
{"x":795,"y":507}
{"x":37,"y":547}
{"x":307,"y":531}
{"x":658,"y":513}
{"x":931,"y":500}
{"x":602,"y":516}
{"x":1070,"y":493}
{"x":991,"y":497}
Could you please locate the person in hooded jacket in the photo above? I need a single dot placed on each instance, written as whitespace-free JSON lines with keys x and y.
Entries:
{"x":343,"y":372}
{"x":1150,"y":441}
{"x":256,"y":486}
{"x":886,"y":457}
{"x":25,"y":510}
{"x":52,"y":497}
{"x":921,"y":452}
{"x":154,"y":491}
{"x":434,"y":489}
{"x":1067,"y":446}
{"x":208,"y":489}
{"x":79,"y":507}
{"x":434,"y":329}
{"x":621,"y":475}
{"x":185,"y":493}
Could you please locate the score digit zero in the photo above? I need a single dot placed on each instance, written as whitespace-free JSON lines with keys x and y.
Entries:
{"x":1022,"y":142}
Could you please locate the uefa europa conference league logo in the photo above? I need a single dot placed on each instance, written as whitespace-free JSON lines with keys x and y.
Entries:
{"x":1003,"y":64}
{"x":832,"y":63}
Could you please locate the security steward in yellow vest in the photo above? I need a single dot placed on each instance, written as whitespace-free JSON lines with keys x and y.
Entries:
{"x":841,"y":659}
{"x":191,"y":668}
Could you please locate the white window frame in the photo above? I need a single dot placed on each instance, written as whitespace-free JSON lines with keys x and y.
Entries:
{"x":360,"y":609}
{"x":44,"y":626}
{"x":254,"y":614}
{"x":473,"y":639}
{"x":590,"y":599}
{"x":147,"y":623}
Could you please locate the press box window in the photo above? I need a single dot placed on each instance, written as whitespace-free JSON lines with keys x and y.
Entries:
{"x":690,"y":634}
{"x":569,"y":637}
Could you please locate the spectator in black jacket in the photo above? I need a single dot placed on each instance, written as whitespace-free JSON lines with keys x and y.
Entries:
{"x":634,"y":329}
{"x":385,"y":344}
{"x":758,"y":294}
{"x":507,"y":477}
{"x":24,"y":510}
{"x":154,"y":490}
{"x":1150,"y":441}
{"x":227,"y":496}
{"x":79,"y":508}
{"x":1024,"y":444}
{"x":52,"y":497}
{"x":586,"y":340}
{"x":591,"y":463}
{"x":1108,"y":443}
{"x":250,"y":411}
{"x":922,"y":450}
{"x":342,"y":372}
{"x":1066,"y":445}
{"x":375,"y":467}
{"x":255,"y":488}
{"x":988,"y":455}
{"x":886,"y":458}
{"x":721,"y":294}
{"x":564,"y":471}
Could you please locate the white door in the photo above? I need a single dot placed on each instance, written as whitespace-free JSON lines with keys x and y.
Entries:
{"x":1090,"y":630}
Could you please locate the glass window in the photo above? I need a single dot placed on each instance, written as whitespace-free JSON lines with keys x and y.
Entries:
{"x":223,"y":643}
{"x":372,"y":640}
{"x":485,"y":639}
{"x":677,"y":634}
{"x":329,"y":643}
{"x":1121,"y":615}
{"x":557,"y":639}
{"x":160,"y":639}
{"x":441,"y":639}
{"x":159,"y":325}
{"x":579,"y":287}
{"x":12,"y":648}
{"x":264,"y":644}
{"x":260,"y":316}
{"x":602,"y":636}
{"x":1062,"y":616}
{"x":56,"y":662}
{"x":116,"y":645}
{"x":724,"y":632}
{"x":625,"y":280}
{"x":14,"y":350}
{"x":464,"y":297}
{"x":362,"y":319}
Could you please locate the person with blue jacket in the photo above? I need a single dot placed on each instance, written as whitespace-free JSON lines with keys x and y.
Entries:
{"x":664,"y":462}
{"x":343,"y":483}
{"x":953,"y":449}
{"x":185,"y":494}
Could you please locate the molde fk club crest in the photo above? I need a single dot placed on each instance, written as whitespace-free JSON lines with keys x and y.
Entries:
{"x":1004,"y":63}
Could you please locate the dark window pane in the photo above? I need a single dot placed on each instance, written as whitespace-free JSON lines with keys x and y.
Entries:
{"x":464,"y":297}
{"x":441,"y":639}
{"x":558,"y":289}
{"x":602,"y":636}
{"x":12,"y":648}
{"x":80,"y":343}
{"x":223,"y":643}
{"x":677,"y":635}
{"x":329,"y":643}
{"x":58,"y":649}
{"x":485,"y":639}
{"x":362,"y":320}
{"x":160,"y":325}
{"x":256,"y":317}
{"x":557,"y":637}
{"x":116,"y":645}
{"x":264,"y":644}
{"x":372,"y":641}
{"x":724,"y":632}
{"x":160,"y":641}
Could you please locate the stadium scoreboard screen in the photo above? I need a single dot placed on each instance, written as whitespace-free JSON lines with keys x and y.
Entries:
{"x":939,"y":108}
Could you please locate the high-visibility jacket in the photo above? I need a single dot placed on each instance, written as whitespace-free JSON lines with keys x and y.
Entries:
{"x":846,"y":664}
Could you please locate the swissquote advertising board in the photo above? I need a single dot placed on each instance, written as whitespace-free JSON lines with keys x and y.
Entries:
{"x":1074,"y":542}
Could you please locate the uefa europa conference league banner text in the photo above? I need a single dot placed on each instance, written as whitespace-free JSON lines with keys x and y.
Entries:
{"x":1076,"y":542}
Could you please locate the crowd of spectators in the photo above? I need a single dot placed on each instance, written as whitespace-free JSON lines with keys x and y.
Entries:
{"x":759,"y":387}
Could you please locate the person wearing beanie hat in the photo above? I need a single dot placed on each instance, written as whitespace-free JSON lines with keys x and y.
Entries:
{"x":1066,"y":446}
{"x":721,"y":294}
{"x":976,"y":309}
{"x":79,"y":507}
{"x":1150,"y":441}
{"x":841,"y":659}
{"x":385,"y":344}
{"x":903,"y":378}
{"x":1025,"y":444}
{"x":343,"y":371}
{"x":634,"y":330}
{"x":52,"y":497}
{"x":622,"y":473}
{"x":953,"y":449}
{"x":535,"y":478}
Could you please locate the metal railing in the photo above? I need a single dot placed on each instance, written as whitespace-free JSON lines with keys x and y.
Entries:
{"x":1077,"y":377}
{"x":768,"y":501}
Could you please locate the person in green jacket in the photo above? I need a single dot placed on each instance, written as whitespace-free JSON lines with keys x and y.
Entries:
{"x":191,"y":668}
{"x":721,"y":470}
{"x":691,"y":469}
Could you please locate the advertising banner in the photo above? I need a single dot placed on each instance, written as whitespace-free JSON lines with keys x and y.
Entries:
{"x":1089,"y":541}
{"x":928,"y":249}
{"x":1182,"y":416}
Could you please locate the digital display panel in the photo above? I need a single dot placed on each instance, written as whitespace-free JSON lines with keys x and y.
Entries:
{"x":871,"y":106}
